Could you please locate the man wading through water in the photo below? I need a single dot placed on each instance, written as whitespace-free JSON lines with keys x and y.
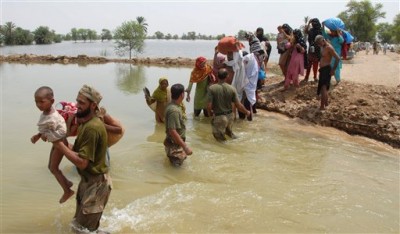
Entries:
{"x":88,"y":154}
{"x":220,"y":99}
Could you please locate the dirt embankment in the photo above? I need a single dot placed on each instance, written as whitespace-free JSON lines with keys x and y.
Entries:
{"x":366,"y":102}
{"x":362,"y":109}
{"x":84,"y":59}
{"x":356,"y":107}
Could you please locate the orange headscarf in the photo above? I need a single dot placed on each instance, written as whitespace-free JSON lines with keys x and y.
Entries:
{"x":199,"y":73}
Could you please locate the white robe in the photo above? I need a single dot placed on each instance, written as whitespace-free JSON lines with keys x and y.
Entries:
{"x":239,"y":81}
{"x":52,"y":126}
{"x":251,"y":71}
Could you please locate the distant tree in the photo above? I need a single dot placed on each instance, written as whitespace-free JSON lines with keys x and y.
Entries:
{"x":159,"y":35}
{"x":67,"y":37}
{"x":83,"y":34}
{"x":129,"y":37}
{"x":8,"y":33}
{"x":1,"y":35}
{"x":168,"y":36}
{"x":271,"y":36}
{"x":142,"y":22}
{"x":191,"y":35}
{"x":74,"y":34}
{"x":92,"y":34}
{"x":184,"y":37}
{"x":241,"y":35}
{"x":57,"y":38}
{"x":360,"y":18}
{"x":396,"y":29}
{"x":219,"y":37}
{"x":43,"y":35}
{"x":22,"y":37}
{"x":385,"y":32}
{"x":175,"y":37}
{"x":203,"y":36}
{"x":106,"y":34}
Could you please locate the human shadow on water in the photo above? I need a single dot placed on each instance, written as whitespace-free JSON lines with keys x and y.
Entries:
{"x":158,"y":135}
{"x":130,"y":78}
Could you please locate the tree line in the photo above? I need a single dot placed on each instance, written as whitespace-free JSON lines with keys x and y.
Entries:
{"x":360,"y":19}
{"x":10,"y":34}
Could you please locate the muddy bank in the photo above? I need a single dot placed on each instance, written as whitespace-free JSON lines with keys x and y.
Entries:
{"x":356,"y":108}
{"x":361,"y":109}
{"x":84,"y":59}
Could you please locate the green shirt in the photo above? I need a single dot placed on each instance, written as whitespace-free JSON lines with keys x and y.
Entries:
{"x":91,"y":144}
{"x":200,"y":95}
{"x":174,"y":120}
{"x":221,"y":96}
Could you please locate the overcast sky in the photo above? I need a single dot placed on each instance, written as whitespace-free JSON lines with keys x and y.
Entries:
{"x":175,"y":17}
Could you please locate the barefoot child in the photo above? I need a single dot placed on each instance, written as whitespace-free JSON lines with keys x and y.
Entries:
{"x":52,"y":128}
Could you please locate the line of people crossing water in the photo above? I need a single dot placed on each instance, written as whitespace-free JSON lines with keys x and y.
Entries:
{"x":226,"y":90}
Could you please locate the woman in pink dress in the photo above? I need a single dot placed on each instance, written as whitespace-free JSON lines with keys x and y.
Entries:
{"x":296,"y":64}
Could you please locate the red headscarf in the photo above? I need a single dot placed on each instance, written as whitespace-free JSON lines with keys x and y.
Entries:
{"x":199,"y":61}
{"x":199,"y":72}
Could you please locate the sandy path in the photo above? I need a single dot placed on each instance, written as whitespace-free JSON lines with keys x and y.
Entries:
{"x":373,"y":69}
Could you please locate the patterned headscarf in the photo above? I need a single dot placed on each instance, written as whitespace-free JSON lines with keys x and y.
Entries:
{"x":91,"y":93}
{"x":254,"y":43}
{"x":199,"y":62}
{"x":200,"y":73}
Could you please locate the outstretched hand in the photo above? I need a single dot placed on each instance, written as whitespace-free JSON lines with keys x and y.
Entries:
{"x":187,"y":150}
{"x":35,"y":138}
{"x":188,"y":97}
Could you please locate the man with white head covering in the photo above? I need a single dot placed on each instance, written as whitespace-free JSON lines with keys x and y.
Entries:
{"x":89,"y":156}
{"x":251,"y":70}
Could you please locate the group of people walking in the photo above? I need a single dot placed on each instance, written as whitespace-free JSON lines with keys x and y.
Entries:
{"x":225,"y":89}
{"x":296,"y":56}
{"x":228,"y":88}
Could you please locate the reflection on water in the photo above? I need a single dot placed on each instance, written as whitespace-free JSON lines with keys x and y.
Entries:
{"x":280,"y":175}
{"x":158,"y":135}
{"x":130,"y":79}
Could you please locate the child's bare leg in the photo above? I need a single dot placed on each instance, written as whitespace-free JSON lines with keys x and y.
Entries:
{"x":324,"y":97}
{"x":54,"y":161}
{"x":315,"y":70}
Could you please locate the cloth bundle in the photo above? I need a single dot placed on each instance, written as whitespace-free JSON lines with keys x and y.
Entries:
{"x":334,"y":24}
{"x":229,"y":44}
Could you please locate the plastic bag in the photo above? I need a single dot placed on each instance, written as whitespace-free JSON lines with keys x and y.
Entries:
{"x":261,"y":74}
{"x":348,"y":38}
{"x":334,"y":24}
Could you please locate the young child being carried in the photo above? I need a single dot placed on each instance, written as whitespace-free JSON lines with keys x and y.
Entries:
{"x":52,"y":128}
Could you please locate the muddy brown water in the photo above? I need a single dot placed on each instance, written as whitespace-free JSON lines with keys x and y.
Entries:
{"x":280,"y":175}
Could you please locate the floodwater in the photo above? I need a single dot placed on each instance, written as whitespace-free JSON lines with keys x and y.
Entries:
{"x":280,"y":175}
